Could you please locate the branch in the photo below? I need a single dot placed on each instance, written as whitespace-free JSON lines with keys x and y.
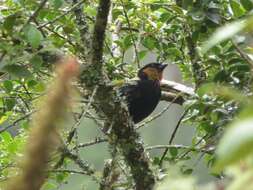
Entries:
{"x":77,"y":160}
{"x":167,"y":85}
{"x":68,"y":171}
{"x":131,"y":34}
{"x":242,"y":54}
{"x":96,"y":141}
{"x":17,"y":121}
{"x":81,"y":21}
{"x":172,"y":97}
{"x":121,"y":130}
{"x":173,"y":136}
{"x":158,"y":114}
{"x":99,"y":33}
{"x":62,"y":15}
{"x":36,"y":12}
{"x":204,"y":150}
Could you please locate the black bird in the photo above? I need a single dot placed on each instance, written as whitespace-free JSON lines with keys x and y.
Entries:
{"x":143,"y":95}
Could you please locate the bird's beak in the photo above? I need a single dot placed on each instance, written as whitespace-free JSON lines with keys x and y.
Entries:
{"x":162,"y":67}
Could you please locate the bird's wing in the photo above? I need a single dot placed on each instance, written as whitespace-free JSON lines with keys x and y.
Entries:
{"x":130,"y":90}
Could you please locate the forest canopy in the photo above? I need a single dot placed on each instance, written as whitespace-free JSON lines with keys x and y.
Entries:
{"x":61,"y":62}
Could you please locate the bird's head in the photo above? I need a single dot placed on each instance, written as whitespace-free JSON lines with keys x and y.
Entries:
{"x":152,"y":71}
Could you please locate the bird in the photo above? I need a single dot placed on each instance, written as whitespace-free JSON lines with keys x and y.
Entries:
{"x":143,"y":95}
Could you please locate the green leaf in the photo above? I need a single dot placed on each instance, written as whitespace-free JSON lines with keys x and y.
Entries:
{"x":149,"y":42}
{"x":187,"y":3}
{"x":188,"y":171}
{"x":17,"y":70}
{"x":247,"y":4}
{"x":142,"y":54}
{"x":173,"y":151}
{"x":40,"y":87}
{"x":36,"y":62}
{"x":156,"y":160}
{"x":221,"y":76}
{"x":236,"y":144}
{"x":49,"y":186}
{"x":174,"y":52}
{"x":9,"y":23}
{"x":3,"y":118}
{"x":58,"y":3}
{"x":8,"y":85}
{"x":91,"y":11}
{"x":127,"y":42}
{"x":10,"y":103}
{"x":33,"y":36}
{"x":6,"y":137}
{"x":238,"y":10}
{"x":32,"y":83}
{"x":223,"y":34}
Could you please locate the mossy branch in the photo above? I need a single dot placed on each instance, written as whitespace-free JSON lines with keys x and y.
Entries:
{"x":122,"y":135}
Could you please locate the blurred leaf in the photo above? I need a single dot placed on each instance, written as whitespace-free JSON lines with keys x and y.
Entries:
{"x":8,"y":85}
{"x":33,"y":36}
{"x":224,"y":33}
{"x":57,"y":3}
{"x":173,"y":152}
{"x":49,"y":186}
{"x":36,"y":62}
{"x":174,"y":52}
{"x":9,"y":23}
{"x":238,"y":10}
{"x":127,"y":42}
{"x":17,"y":70}
{"x":3,"y":118}
{"x":221,"y":76}
{"x":149,"y":42}
{"x":236,"y":144}
{"x":40,"y":87}
{"x":187,"y":3}
{"x":91,"y":11}
{"x":32,"y":83}
{"x":188,"y":171}
{"x":247,"y":4}
{"x":221,"y":90}
{"x":9,"y":103}
{"x":142,"y":54}
{"x":6,"y":137}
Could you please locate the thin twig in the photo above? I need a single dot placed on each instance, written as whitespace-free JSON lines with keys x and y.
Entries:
{"x":173,"y":136}
{"x":96,"y":141}
{"x":158,"y":114}
{"x":188,"y":151}
{"x":36,"y":12}
{"x":84,"y":112}
{"x":179,"y":146}
{"x":131,"y":34}
{"x":16,"y":121}
{"x":68,"y":171}
{"x":242,"y":54}
{"x":62,"y":15}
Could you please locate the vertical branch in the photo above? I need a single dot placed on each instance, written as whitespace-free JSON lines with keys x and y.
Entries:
{"x":136,"y":57}
{"x":99,"y":34}
{"x":122,"y":134}
{"x":84,"y":30}
{"x":172,"y":136}
{"x":198,"y":72}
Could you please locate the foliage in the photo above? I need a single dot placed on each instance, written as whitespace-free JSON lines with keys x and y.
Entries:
{"x":210,"y":41}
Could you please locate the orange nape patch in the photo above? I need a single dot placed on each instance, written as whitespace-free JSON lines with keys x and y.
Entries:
{"x":153,"y":73}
